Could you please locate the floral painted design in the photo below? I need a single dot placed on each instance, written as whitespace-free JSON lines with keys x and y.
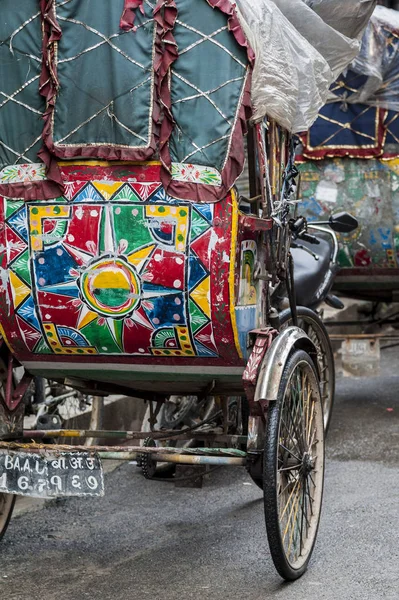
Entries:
{"x":196,"y":174}
{"x":24,"y":173}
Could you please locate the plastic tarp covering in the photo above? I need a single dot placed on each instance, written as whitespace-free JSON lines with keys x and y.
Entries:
{"x":379,"y":61}
{"x":348,"y":17}
{"x":298,"y":55}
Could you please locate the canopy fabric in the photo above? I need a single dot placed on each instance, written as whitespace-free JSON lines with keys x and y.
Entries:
{"x":135,"y":80}
{"x":21,"y":106}
{"x":107,"y":76}
{"x":344,"y":128}
{"x":207,"y":103}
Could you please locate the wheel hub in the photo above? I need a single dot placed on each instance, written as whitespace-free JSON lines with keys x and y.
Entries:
{"x":307,"y":464}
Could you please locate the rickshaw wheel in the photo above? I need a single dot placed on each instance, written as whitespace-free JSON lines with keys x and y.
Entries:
{"x":294,"y":467}
{"x":188,"y":411}
{"x":7,"y":502}
{"x":314,"y":327}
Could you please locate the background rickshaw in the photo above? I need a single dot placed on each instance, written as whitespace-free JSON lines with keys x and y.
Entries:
{"x":349,"y":159}
{"x":129,"y":261}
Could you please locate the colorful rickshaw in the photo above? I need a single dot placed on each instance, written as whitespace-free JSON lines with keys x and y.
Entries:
{"x":129,"y":261}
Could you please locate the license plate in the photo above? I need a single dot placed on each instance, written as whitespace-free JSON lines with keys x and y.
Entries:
{"x":51,"y":475}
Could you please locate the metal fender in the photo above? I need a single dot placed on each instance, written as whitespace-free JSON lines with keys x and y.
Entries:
{"x":271,"y":371}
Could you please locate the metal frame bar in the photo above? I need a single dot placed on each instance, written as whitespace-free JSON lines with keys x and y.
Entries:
{"x":126,"y":435}
{"x":185,"y":456}
{"x":181,"y":459}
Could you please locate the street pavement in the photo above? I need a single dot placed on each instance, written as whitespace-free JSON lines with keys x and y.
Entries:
{"x":151,"y":540}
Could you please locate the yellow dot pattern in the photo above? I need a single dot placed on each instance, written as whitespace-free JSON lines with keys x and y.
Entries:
{"x":185,"y":346}
{"x":38,"y":214}
{"x":56,"y":344}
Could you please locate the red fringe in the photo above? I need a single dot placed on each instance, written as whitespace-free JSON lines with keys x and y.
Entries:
{"x":49,"y":88}
{"x":34,"y":190}
{"x":236,"y":159}
{"x":128,"y":15}
{"x":165,"y":14}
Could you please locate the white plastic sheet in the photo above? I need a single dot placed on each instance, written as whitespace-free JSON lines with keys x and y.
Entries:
{"x":298,"y":56}
{"x":348,"y":17}
{"x":379,"y":61}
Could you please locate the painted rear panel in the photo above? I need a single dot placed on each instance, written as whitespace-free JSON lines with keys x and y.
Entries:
{"x":116,"y":269}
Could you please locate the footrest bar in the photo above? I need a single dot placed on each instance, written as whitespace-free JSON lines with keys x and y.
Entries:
{"x":182,"y":459}
{"x":33,"y":434}
{"x":118,"y":450}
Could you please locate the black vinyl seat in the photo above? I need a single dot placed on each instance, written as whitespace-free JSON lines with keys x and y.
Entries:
{"x":312,"y":277}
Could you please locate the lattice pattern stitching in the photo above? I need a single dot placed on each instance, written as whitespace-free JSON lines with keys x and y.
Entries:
{"x":21,"y":107}
{"x":113,"y":111}
{"x":207,"y":83}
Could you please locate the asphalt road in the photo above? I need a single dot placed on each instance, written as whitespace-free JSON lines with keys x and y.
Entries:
{"x":152,"y":540}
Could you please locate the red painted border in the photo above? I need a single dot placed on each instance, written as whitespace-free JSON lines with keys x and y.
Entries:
{"x":320,"y":152}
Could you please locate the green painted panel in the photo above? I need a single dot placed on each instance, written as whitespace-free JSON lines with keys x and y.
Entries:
{"x":101,"y":337}
{"x":21,"y":267}
{"x":12,"y":206}
{"x":131,"y":225}
{"x":198,"y":225}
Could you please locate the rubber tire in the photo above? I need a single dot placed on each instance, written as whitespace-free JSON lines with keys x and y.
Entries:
{"x":39,"y":395}
{"x":8,"y":515}
{"x":270,"y":475}
{"x":321,"y":332}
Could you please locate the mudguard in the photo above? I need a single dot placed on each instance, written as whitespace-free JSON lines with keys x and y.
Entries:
{"x":271,"y":371}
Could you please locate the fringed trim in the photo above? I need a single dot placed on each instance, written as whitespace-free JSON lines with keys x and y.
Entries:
{"x":165,"y":14}
{"x":129,"y":14}
{"x":236,"y":158}
{"x":35,"y":190}
{"x":49,"y":89}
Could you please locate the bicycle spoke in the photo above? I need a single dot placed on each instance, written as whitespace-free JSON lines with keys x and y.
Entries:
{"x":289,"y":451}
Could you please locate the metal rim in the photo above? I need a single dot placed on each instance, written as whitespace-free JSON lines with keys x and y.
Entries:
{"x":197,"y":410}
{"x":176,"y":409}
{"x":300,"y":465}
